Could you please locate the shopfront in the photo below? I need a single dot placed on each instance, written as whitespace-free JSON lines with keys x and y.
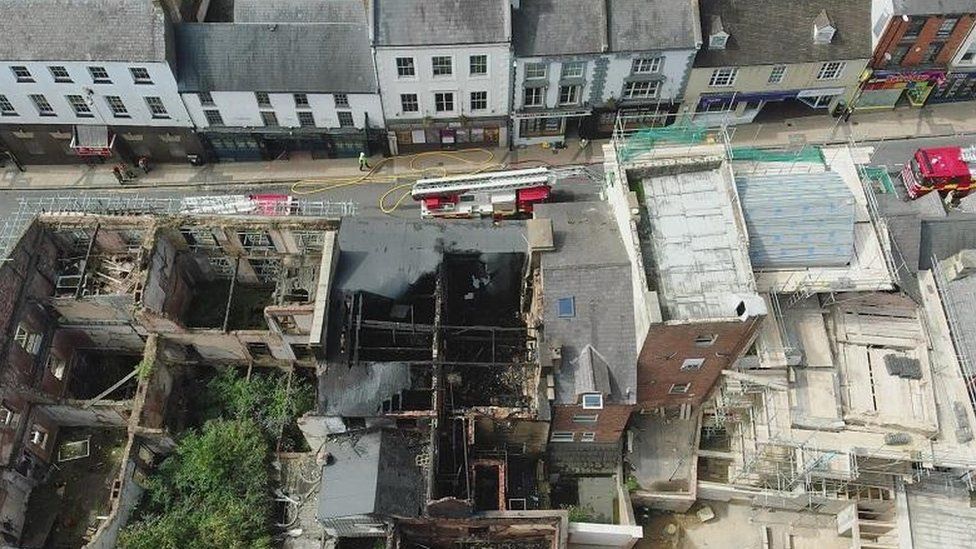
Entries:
{"x":533,"y":128}
{"x":956,"y":86}
{"x":885,"y":89}
{"x":241,"y":146}
{"x":432,"y":136}
{"x":742,"y":108}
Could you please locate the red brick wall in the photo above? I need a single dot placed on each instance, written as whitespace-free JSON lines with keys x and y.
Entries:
{"x":891,"y":40}
{"x":610,"y":424}
{"x":667,"y":347}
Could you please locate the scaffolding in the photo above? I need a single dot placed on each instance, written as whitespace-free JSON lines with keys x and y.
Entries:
{"x":29,"y":207}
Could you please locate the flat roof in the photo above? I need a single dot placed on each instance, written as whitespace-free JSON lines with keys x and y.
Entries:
{"x":697,"y":242}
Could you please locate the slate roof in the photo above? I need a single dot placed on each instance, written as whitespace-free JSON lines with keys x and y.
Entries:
{"x":440,"y":22}
{"x":767,"y":32}
{"x":637,"y":25}
{"x":373,"y":473}
{"x":932,"y":7}
{"x":299,"y":11}
{"x":946,"y":237}
{"x":559,"y":27}
{"x":82,"y":30}
{"x":566,"y":27}
{"x":590,"y":265}
{"x":274,"y":58}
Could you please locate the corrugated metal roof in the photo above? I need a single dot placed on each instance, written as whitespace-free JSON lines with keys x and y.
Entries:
{"x":798,"y":220}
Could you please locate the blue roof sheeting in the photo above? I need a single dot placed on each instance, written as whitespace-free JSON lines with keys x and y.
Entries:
{"x":798,"y":220}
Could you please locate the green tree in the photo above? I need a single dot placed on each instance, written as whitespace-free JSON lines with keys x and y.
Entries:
{"x":214,"y":491}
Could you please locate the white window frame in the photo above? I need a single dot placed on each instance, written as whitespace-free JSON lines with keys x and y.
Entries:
{"x":28,"y":340}
{"x":7,"y":415}
{"x":635,"y":89}
{"x":142,"y":78}
{"x":941,"y":33}
{"x":562,"y":436}
{"x":692,"y":364}
{"x":646,"y":65}
{"x":57,"y":365}
{"x":537,"y":92}
{"x":723,"y":77}
{"x":22,"y":74}
{"x":63,"y":78}
{"x":350,"y":118}
{"x":471,"y":59}
{"x":116,"y":106}
{"x":157,"y":109}
{"x":410,"y":64}
{"x":6,"y":107}
{"x":308,"y":117}
{"x":43,"y":106}
{"x":434,"y":66}
{"x":679,"y":389}
{"x":79,"y":106}
{"x":213,"y":117}
{"x":96,"y":72}
{"x":586,"y":418}
{"x":575,"y":94}
{"x":777,"y":74}
{"x":206,"y":99}
{"x":453,"y":101}
{"x":416,"y":102}
{"x":38,"y":436}
{"x":532,"y":71}
{"x":598,"y":405}
{"x":471,"y":101}
{"x":569,"y":69}
{"x":588,"y":437}
{"x":718,"y":41}
{"x":831,"y":70}
{"x":344,"y":103}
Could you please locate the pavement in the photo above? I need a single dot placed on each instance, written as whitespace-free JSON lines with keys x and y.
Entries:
{"x":952,"y":120}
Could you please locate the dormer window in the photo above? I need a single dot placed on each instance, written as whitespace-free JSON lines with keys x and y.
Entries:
{"x":717,"y":37}
{"x":823,"y":29}
{"x":592,"y":401}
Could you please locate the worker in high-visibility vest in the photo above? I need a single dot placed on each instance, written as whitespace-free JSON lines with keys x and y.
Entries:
{"x":363,"y":163}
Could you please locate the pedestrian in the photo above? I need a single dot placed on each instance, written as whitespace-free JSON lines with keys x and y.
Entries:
{"x":363,"y":163}
{"x":144,"y":164}
{"x":118,"y":174}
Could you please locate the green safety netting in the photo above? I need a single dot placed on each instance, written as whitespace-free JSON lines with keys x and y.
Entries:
{"x":806,"y":154}
{"x":879,"y":177}
{"x":646,"y":139}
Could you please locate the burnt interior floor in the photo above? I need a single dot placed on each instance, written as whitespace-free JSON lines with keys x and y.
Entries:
{"x":96,"y":372}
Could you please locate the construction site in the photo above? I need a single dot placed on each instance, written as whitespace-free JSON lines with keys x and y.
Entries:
{"x":691,"y":357}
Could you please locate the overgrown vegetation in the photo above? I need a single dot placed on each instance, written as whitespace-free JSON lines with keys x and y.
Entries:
{"x":215,"y":490}
{"x":212,"y":492}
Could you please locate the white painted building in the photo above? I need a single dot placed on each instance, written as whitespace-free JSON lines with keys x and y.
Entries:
{"x":286,"y":77}
{"x":580,"y":62}
{"x":92,"y":78}
{"x":444,"y":71}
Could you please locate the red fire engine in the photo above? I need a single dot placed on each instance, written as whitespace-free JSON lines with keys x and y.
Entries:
{"x":495,"y":194}
{"x":942,"y":169}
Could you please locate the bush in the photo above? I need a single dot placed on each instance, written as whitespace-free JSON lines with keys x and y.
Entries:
{"x":214,"y":491}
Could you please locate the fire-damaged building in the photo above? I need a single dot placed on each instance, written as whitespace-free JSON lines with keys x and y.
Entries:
{"x":107,"y":322}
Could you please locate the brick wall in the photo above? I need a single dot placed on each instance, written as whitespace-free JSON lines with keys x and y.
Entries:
{"x":609,"y":426}
{"x":891,"y":39}
{"x":666,"y":349}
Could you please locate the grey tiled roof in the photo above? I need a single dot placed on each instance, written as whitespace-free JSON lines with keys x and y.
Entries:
{"x":373,"y":473}
{"x":767,"y":32}
{"x":82,"y":30}
{"x":946,"y":237}
{"x":565,"y":27}
{"x":275,"y":58}
{"x":932,"y":7}
{"x":637,"y":25}
{"x":589,"y":265}
{"x":427,"y":22}
{"x":299,"y":11}
{"x":559,"y":27}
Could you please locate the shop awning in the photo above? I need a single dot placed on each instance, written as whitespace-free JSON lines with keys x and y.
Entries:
{"x":92,"y":140}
